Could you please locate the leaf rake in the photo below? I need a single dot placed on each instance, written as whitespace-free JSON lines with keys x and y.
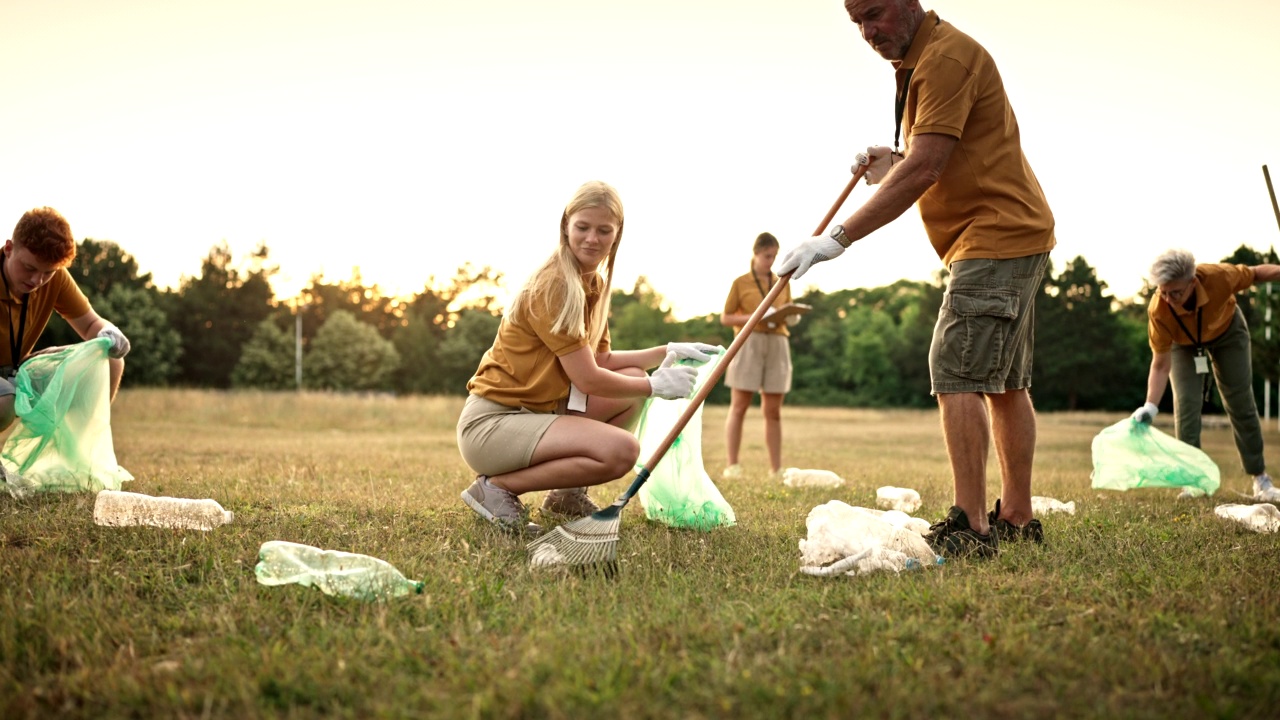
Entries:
{"x":593,"y":540}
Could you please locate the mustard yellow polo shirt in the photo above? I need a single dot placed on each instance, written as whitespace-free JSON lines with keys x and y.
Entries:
{"x":60,"y":295}
{"x":746,"y":294}
{"x":1216,"y":288}
{"x":988,"y":203}
{"x":521,"y":368}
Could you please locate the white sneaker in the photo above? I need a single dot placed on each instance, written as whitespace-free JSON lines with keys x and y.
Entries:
{"x":1261,"y":484}
{"x":733,"y":472}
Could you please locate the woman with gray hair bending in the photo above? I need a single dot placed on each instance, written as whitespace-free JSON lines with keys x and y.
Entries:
{"x":1194,"y":325}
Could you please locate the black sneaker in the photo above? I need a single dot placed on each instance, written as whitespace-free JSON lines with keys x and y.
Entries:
{"x":1008,"y":532}
{"x":952,"y":537}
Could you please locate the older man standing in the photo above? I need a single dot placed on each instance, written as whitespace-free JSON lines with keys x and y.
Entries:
{"x":988,"y":220}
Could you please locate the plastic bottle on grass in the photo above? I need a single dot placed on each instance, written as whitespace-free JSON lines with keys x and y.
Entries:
{"x":333,"y":571}
{"x":118,"y":508}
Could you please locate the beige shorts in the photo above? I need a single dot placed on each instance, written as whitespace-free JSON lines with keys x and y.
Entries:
{"x":495,"y":438}
{"x":762,"y":365}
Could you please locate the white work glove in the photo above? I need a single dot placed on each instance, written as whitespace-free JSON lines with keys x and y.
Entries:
{"x":1146,"y":414}
{"x":793,"y":320}
{"x":700,"y":352}
{"x":800,"y":258}
{"x":879,"y":159}
{"x":119,"y":343}
{"x":671,"y":381}
{"x":769,"y":323}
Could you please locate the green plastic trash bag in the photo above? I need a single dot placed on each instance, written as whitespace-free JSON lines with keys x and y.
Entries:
{"x":678,"y":491}
{"x":1131,"y":454}
{"x":61,"y":440}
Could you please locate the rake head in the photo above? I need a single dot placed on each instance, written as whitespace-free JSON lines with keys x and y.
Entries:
{"x":592,"y":540}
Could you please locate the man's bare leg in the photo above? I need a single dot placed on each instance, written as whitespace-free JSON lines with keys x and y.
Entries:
{"x":1013,"y":425}
{"x":966,"y":429}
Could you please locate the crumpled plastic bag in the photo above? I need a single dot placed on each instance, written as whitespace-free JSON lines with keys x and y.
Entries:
{"x":801,"y":477}
{"x":1044,"y":505}
{"x":1131,"y":454}
{"x":1263,"y":517}
{"x":61,"y":441}
{"x":679,"y":492}
{"x":906,"y":500}
{"x":848,"y":540}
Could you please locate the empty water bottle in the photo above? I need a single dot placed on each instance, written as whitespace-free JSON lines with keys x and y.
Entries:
{"x":333,"y":571}
{"x":119,"y":508}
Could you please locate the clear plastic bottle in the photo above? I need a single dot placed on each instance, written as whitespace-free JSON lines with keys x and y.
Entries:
{"x":118,"y":508}
{"x":333,"y":571}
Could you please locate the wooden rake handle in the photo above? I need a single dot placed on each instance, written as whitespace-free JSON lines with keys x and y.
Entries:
{"x":696,"y":401}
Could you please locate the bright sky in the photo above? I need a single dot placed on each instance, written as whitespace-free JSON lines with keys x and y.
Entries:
{"x":408,"y":137}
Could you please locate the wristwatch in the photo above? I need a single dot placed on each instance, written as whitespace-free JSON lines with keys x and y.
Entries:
{"x":837,"y":234}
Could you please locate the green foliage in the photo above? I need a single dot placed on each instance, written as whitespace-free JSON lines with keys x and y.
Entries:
{"x":459,"y":353}
{"x":268,"y":360}
{"x":109,"y":277}
{"x":155,"y":348}
{"x":639,"y":319}
{"x":866,"y":347}
{"x":217,"y":312}
{"x":322,"y":300}
{"x":349,"y":355}
{"x":1085,"y":356}
{"x":429,"y":318}
{"x":1254,"y":303}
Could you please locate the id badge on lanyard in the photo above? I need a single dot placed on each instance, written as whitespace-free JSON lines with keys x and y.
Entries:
{"x":1202,"y":362}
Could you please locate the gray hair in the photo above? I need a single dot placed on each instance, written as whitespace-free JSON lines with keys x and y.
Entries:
{"x":1171,"y":266}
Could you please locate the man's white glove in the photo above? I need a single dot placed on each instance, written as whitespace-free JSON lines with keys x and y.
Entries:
{"x":800,"y":258}
{"x":1146,"y":413}
{"x":701,"y":352}
{"x":671,"y":381}
{"x":879,"y":159}
{"x":119,"y":343}
{"x":793,"y":320}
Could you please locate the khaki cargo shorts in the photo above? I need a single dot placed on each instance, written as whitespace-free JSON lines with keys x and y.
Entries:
{"x":495,"y":438}
{"x":985,"y":336}
{"x":763,"y":364}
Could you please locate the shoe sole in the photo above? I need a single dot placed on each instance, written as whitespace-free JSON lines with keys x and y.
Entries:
{"x":480,"y":509}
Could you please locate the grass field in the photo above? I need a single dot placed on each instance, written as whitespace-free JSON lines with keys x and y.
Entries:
{"x":1137,"y":606}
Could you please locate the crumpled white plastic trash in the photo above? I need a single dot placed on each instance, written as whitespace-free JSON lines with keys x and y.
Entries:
{"x":896,"y":498}
{"x":848,"y":540}
{"x":1263,"y":517}
{"x":1044,"y":505}
{"x":1271,"y":494}
{"x":797,"y":477}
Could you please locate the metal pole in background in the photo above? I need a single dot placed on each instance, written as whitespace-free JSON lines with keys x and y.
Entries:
{"x":1275,"y":209}
{"x":297,"y":346}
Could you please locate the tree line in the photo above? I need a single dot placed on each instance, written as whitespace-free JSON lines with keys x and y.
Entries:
{"x":860,"y":347}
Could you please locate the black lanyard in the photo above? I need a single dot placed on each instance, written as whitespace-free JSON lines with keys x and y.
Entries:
{"x":1206,"y":383}
{"x":15,"y":345}
{"x":900,"y":106}
{"x":763,"y":292}
{"x":1199,"y":320}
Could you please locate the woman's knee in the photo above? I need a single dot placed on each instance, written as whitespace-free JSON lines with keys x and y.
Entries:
{"x":621,"y":454}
